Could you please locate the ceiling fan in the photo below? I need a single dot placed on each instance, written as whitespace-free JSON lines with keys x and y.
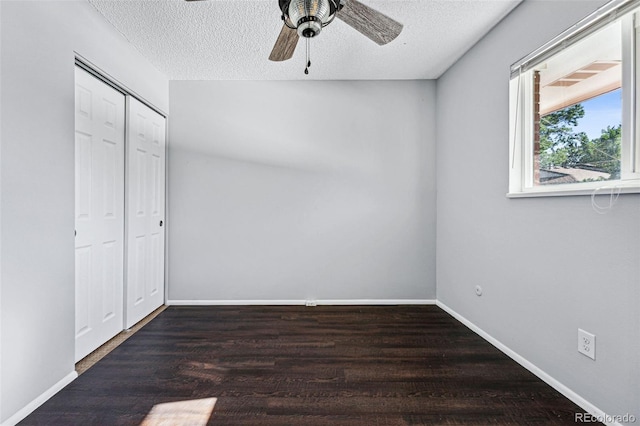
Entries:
{"x":306,"y":18}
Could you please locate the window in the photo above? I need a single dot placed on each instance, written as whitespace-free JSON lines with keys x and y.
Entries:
{"x":574,"y":122}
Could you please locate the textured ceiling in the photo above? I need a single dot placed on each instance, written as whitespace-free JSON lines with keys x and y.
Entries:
{"x":231,"y":40}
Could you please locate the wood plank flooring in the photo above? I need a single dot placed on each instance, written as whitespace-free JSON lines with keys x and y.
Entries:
{"x":293,"y":365}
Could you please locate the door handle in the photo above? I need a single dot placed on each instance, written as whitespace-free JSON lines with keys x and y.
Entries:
{"x":161,"y":223}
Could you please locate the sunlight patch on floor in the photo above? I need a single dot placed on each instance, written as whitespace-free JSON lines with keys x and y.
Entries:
{"x":192,"y":412}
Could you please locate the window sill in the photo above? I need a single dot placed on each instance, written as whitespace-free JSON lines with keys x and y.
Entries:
{"x":567,"y":191}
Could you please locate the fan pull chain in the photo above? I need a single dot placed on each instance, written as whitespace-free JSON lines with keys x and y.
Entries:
{"x":306,"y":70}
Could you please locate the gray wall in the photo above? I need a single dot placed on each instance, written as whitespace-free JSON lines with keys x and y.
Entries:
{"x":37,"y":179}
{"x":269,"y":200}
{"x":547,"y":265}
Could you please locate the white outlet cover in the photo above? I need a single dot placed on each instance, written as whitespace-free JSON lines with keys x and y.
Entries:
{"x":587,"y":343}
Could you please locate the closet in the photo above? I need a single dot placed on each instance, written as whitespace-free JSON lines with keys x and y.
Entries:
{"x":119,"y":211}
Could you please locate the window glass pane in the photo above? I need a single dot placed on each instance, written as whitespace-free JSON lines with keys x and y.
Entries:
{"x":578,"y":111}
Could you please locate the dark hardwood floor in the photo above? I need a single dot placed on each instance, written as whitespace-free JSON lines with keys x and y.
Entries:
{"x":326,"y":365}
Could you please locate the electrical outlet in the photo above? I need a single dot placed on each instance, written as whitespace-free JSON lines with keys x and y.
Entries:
{"x":310,"y":303}
{"x":587,"y":344}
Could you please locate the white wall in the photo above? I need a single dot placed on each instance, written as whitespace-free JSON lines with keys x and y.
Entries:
{"x":37,"y":175}
{"x":302,"y":190}
{"x":547,"y":265}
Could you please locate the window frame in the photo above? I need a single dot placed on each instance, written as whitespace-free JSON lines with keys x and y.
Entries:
{"x":521,"y":114}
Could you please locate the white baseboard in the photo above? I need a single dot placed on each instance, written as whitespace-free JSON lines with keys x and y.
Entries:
{"x":31,"y":407}
{"x":564,"y":390}
{"x":244,"y":302}
{"x":376,"y":302}
{"x":241,"y":302}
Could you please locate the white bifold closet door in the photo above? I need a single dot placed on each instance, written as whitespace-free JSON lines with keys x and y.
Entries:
{"x":99,"y":212}
{"x":145,"y":211}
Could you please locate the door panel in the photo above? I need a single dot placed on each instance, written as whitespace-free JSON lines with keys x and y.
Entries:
{"x":99,"y":211}
{"x":145,"y":211}
{"x":83,"y":281}
{"x":111,"y":272}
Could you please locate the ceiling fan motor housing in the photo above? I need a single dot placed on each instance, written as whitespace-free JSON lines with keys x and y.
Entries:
{"x":309,"y":16}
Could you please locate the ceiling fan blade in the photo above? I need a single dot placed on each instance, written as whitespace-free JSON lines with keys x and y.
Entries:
{"x":373,"y":24}
{"x":285,"y":44}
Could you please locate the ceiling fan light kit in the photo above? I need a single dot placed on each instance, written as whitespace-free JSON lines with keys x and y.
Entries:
{"x":308,"y":17}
